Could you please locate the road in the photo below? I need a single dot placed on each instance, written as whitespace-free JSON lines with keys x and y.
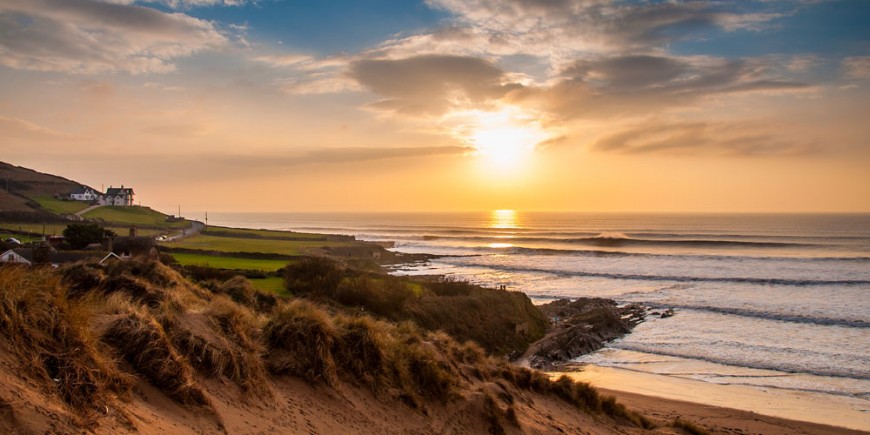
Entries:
{"x":196,"y":227}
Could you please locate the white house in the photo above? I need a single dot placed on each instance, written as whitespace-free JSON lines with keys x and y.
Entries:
{"x":11,"y":256}
{"x":55,"y":258}
{"x":117,"y":196}
{"x":84,"y":193}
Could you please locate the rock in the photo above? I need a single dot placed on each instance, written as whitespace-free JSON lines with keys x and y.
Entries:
{"x":581,"y":327}
{"x":668,"y":313}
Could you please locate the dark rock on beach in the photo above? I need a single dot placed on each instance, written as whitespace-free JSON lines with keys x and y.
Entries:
{"x":581,"y":327}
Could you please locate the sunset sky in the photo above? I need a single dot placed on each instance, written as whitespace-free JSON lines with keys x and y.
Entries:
{"x":445,"y":105}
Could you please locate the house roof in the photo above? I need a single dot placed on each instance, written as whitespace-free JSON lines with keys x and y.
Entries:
{"x":119,"y":191}
{"x":58,"y":257}
{"x":81,"y":190}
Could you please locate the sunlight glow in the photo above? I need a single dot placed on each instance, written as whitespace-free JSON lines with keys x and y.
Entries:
{"x":504,"y":139}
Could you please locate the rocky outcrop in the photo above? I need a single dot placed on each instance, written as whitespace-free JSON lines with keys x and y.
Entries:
{"x":580,"y":327}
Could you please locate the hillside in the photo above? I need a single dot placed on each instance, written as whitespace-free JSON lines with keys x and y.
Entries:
{"x":21,"y":188}
{"x":134,"y":346}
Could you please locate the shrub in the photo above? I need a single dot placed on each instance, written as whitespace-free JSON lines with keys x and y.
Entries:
{"x":318,"y":276}
{"x":80,"y":235}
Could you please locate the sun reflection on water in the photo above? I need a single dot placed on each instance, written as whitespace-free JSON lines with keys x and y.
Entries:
{"x":503,"y":219}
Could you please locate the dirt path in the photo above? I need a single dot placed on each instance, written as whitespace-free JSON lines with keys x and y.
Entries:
{"x":81,"y":212}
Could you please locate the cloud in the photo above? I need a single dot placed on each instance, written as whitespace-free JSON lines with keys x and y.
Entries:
{"x":431,"y":84}
{"x":87,"y":36}
{"x":184,"y":4}
{"x":14,"y":129}
{"x":697,"y":138}
{"x":637,"y":84}
{"x":560,"y":26}
{"x":857,"y":67}
{"x":284,"y":60}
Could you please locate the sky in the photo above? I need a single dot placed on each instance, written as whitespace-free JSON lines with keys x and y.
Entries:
{"x":445,"y":105}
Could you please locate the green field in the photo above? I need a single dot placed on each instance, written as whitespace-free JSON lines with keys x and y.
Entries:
{"x":23,"y":239}
{"x":268,"y":246}
{"x":134,"y":215}
{"x":57,"y":229}
{"x":270,"y":285}
{"x":271,"y":234}
{"x":58,"y":206}
{"x":221,"y":262}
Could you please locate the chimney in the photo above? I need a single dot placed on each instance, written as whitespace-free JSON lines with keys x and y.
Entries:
{"x":41,"y":254}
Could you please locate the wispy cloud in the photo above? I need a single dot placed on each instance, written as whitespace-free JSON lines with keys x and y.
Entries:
{"x":87,"y":36}
{"x":857,"y":67}
{"x":702,"y":138}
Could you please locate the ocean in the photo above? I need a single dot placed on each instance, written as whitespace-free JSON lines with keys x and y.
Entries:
{"x":766,"y":301}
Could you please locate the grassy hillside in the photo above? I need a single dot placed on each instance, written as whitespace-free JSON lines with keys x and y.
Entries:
{"x":134,"y":215}
{"x":90,"y":345}
{"x":58,"y":206}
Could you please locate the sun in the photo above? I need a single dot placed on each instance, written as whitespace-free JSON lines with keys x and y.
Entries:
{"x":503,"y":139}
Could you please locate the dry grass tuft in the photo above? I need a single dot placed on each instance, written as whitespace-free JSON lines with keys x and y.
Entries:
{"x":144,"y":344}
{"x":359,"y":349}
{"x":300,"y":337}
{"x":52,"y":338}
{"x":688,"y":427}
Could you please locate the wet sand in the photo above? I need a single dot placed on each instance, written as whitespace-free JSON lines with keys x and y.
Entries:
{"x":730,"y":408}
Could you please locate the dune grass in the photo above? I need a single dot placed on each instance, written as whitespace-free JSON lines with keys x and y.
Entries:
{"x":134,"y":215}
{"x":171,"y":332}
{"x":227,"y":262}
{"x":58,"y":206}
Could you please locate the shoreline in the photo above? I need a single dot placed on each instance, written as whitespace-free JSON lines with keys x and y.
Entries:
{"x":648,"y":393}
{"x":740,"y":401}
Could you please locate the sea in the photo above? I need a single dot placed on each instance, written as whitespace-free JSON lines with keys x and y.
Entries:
{"x":778,"y":301}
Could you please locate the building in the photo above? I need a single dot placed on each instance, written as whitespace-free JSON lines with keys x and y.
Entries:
{"x":55,"y":258}
{"x":117,"y":196}
{"x":84,"y":193}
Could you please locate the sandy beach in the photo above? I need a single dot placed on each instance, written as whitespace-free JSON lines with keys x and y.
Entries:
{"x":729,"y":408}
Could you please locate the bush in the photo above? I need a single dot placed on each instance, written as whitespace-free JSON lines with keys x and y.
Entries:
{"x":80,"y":235}
{"x":317,"y":276}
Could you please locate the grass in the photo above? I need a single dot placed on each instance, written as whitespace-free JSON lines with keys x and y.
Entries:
{"x":270,"y":234}
{"x":222,"y":262}
{"x":58,"y":206}
{"x":172,"y":333}
{"x":57,"y":229}
{"x":268,"y":246}
{"x":134,"y":215}
{"x":271,"y":284}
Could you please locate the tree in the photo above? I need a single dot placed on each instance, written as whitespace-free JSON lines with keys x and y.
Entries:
{"x":80,"y":235}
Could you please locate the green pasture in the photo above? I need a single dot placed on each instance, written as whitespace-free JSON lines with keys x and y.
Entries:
{"x":221,"y":262}
{"x":55,"y":229}
{"x":58,"y":206}
{"x":239,"y":244}
{"x":134,"y":215}
{"x":272,"y":284}
{"x":271,"y":234}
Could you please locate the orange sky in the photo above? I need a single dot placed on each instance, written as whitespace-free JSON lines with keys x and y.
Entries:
{"x":209,"y":115}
